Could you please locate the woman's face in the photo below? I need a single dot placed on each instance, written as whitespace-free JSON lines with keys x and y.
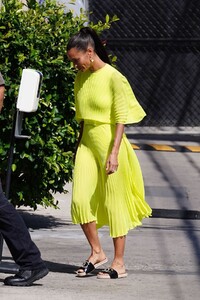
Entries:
{"x":80,"y":59}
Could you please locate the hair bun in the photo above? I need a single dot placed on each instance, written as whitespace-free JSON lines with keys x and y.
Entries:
{"x":86,"y":30}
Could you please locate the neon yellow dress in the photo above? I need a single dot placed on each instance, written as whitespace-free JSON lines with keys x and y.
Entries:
{"x":102,"y":99}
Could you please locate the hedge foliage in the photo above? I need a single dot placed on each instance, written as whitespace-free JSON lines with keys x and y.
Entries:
{"x":35,"y":37}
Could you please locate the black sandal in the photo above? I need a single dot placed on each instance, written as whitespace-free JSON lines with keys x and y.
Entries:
{"x":88,"y":267}
{"x":111,"y":274}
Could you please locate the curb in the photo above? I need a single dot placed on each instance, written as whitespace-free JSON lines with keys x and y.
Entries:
{"x":167,"y":148}
{"x":176,"y":214}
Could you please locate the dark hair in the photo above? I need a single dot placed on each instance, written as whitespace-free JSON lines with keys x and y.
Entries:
{"x":85,"y":37}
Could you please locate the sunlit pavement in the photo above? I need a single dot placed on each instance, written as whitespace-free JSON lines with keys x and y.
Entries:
{"x":162,"y":257}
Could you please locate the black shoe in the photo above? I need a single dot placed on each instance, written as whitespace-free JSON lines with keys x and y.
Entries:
{"x":26,"y":277}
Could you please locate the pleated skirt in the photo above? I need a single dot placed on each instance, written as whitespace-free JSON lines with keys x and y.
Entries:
{"x":116,"y":200}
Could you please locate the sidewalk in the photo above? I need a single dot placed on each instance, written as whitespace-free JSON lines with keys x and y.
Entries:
{"x":162,"y":260}
{"x":173,"y":135}
{"x":162,"y":257}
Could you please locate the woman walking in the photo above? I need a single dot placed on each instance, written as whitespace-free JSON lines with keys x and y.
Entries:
{"x":107,"y":185}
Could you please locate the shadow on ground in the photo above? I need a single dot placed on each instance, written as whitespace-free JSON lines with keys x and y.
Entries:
{"x":36,"y":221}
{"x":61,"y":268}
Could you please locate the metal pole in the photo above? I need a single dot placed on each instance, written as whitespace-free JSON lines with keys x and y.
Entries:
{"x":1,"y":247}
{"x":10,"y":159}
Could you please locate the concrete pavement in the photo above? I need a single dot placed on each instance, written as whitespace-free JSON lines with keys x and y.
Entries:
{"x":162,"y":257}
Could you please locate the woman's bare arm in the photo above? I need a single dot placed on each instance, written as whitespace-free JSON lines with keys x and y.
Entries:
{"x":112,"y":162}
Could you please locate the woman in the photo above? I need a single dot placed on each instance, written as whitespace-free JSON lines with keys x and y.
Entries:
{"x":108,"y":185}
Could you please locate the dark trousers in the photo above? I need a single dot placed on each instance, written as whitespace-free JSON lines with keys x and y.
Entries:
{"x":16,"y":235}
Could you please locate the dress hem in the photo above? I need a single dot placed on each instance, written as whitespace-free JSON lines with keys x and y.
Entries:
{"x":133,"y":226}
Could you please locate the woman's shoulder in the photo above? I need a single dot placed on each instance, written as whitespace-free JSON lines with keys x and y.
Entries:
{"x":111,"y":69}
{"x":116,"y":76}
{"x":113,"y":73}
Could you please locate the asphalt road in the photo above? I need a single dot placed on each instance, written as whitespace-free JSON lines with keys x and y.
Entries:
{"x":162,"y":257}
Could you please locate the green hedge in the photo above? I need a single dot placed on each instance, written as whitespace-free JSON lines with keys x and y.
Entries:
{"x":36,"y":38}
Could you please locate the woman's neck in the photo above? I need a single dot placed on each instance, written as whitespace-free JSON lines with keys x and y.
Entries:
{"x":97,"y":64}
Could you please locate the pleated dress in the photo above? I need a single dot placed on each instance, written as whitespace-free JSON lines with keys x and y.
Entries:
{"x":102,"y":99}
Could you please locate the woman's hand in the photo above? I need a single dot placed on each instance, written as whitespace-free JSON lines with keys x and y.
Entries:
{"x":112,"y":161}
{"x":79,"y":139}
{"x":111,"y":164}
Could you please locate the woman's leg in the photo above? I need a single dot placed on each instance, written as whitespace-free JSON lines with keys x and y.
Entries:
{"x":118,"y":261}
{"x":97,"y":253}
{"x":119,"y":248}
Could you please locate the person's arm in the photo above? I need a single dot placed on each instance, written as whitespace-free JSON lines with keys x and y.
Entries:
{"x":80,"y":132}
{"x":112,"y":161}
{"x":2,"y":89}
{"x":79,"y":137}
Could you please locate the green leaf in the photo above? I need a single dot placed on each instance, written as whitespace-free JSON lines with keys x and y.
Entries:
{"x":36,"y":38}
{"x":107,"y":18}
{"x":14,"y":167}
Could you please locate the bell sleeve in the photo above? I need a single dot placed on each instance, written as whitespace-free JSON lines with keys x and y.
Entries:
{"x":126,"y":108}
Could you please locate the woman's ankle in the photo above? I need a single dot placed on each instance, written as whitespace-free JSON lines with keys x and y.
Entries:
{"x":118,"y":263}
{"x":97,"y":256}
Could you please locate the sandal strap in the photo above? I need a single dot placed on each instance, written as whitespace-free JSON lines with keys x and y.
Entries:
{"x":111,"y":272}
{"x":87,"y":267}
